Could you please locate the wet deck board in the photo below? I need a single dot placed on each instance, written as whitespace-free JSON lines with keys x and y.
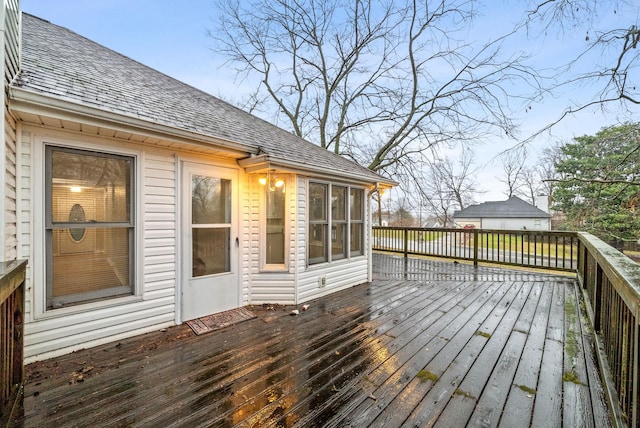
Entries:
{"x":440,"y":345}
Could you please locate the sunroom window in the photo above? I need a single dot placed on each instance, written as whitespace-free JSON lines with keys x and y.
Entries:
{"x":339,"y":232}
{"x":318,"y":223}
{"x":275,"y":226}
{"x":356,"y":210}
{"x":89,"y":226}
{"x":338,"y":222}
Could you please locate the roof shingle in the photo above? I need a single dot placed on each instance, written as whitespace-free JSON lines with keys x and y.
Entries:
{"x":59,"y":63}
{"x":513,"y":207}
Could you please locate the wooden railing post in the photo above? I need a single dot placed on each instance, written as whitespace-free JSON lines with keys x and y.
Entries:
{"x":406,"y":242}
{"x":636,"y":376}
{"x":12,"y":280}
{"x":476,"y":244}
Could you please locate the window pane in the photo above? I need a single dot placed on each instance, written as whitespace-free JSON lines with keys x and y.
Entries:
{"x":317,"y":243}
{"x":95,"y":266}
{"x":89,"y":250}
{"x":338,"y":241}
{"x":338,"y":203}
{"x":356,"y":238}
{"x":357,"y":197}
{"x":210,"y":200}
{"x":98,"y":182}
{"x":317,"y":202}
{"x":211,"y":251}
{"x":275,"y":227}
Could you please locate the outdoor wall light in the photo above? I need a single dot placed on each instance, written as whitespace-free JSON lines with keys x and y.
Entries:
{"x":272,"y":181}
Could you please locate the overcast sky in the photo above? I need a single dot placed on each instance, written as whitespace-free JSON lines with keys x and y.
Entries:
{"x":170,"y":36}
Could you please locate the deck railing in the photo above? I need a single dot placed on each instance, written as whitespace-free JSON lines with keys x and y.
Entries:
{"x":12,"y":278}
{"x":541,"y":249}
{"x":611,"y":283}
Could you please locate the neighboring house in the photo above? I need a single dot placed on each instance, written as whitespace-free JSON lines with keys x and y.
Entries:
{"x":141,"y":202}
{"x":512,"y":214}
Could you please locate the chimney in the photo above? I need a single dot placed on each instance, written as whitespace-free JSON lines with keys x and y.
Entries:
{"x":542,"y":202}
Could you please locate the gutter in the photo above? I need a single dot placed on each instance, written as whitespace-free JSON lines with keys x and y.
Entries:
{"x":31,"y":102}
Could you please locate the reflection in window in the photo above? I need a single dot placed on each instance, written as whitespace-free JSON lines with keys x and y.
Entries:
{"x":356,"y":210}
{"x":275,"y":207}
{"x":211,"y":251}
{"x":210,"y":200}
{"x":89,"y":226}
{"x":338,"y":222}
{"x":210,"y":225}
{"x":318,"y":223}
{"x":343,"y":229}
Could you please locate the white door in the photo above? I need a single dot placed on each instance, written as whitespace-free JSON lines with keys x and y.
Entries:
{"x":210,"y":240}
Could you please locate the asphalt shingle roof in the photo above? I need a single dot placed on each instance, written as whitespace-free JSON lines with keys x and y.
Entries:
{"x":61,"y":64}
{"x":513,"y":207}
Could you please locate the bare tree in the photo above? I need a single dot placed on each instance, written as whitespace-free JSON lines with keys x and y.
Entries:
{"x":444,"y":185}
{"x":514,"y":170}
{"x":378,"y":81}
{"x":605,"y":69}
{"x":546,"y":168}
{"x":531,"y":185}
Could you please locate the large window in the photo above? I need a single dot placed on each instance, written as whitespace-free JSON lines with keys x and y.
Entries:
{"x":89,"y":226}
{"x":337,"y":232}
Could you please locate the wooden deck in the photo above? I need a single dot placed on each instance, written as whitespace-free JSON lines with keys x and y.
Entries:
{"x":440,"y":344}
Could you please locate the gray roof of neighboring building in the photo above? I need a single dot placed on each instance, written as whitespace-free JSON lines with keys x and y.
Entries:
{"x":63,"y":65}
{"x":513,"y":207}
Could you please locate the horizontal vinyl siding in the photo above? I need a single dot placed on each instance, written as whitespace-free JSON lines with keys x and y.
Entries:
{"x":153,"y":307}
{"x":265,"y":286}
{"x":515,"y":223}
{"x":273,"y":288}
{"x":77,"y":335}
{"x":160,"y":227}
{"x":10,"y":195}
{"x":12,"y":36}
{"x":339,"y":274}
{"x":249,"y":234}
{"x":25,"y":183}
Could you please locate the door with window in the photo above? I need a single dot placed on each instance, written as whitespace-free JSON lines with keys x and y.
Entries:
{"x":210,"y":241}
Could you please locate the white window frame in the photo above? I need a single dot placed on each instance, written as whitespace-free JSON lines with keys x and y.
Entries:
{"x":274,"y":267}
{"x":360,"y":222}
{"x":329,"y":222}
{"x":37,"y":209}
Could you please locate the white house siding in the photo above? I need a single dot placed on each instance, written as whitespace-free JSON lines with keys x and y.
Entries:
{"x":9,"y":202}
{"x":270,"y":286}
{"x":516,"y":223}
{"x":338,"y":275}
{"x":64,"y":330}
{"x":10,"y":58}
{"x":248,"y":234}
{"x":506,"y":223}
{"x":475,"y":222}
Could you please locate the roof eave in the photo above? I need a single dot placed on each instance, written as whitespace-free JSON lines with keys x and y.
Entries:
{"x":32,"y":102}
{"x":41,"y":104}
